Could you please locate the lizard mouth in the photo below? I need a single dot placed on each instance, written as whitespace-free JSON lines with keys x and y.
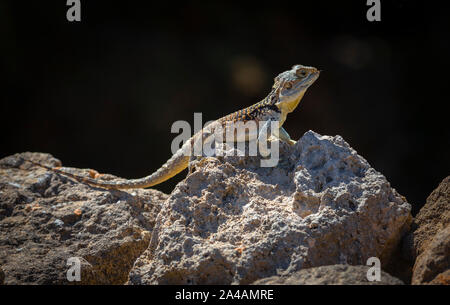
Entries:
{"x":303,"y":84}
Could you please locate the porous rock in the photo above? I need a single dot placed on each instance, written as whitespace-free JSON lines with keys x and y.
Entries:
{"x":46,"y":218}
{"x":232,"y":221}
{"x":331,"y":275}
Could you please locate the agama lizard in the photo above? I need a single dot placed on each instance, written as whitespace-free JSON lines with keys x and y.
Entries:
{"x":287,"y":91}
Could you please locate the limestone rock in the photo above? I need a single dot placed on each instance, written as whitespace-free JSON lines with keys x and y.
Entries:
{"x":233,"y":221}
{"x":46,"y":218}
{"x":330,"y":275}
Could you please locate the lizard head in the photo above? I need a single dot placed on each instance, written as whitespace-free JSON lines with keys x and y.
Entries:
{"x":292,"y":85}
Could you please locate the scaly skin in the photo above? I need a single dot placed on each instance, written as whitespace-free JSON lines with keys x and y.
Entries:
{"x":287,"y":91}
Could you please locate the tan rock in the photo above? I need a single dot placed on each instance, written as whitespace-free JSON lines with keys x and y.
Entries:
{"x":433,"y":264}
{"x":428,"y":244}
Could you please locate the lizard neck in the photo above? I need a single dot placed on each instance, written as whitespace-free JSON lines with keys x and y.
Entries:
{"x":288,"y":106}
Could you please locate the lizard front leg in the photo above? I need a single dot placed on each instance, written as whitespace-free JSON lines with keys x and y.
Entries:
{"x":264,"y":136}
{"x":271,"y":157}
{"x":284,"y":136}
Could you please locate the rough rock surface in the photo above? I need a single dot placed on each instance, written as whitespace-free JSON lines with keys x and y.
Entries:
{"x":330,"y":275}
{"x":429,"y":242}
{"x":233,"y":221}
{"x":433,"y":264}
{"x":46,"y":218}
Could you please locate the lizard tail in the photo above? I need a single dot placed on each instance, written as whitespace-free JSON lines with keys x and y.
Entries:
{"x":177,"y":163}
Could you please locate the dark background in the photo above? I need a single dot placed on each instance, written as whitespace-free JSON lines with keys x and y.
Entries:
{"x":103,"y":93}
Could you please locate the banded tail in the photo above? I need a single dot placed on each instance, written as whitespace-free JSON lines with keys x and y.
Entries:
{"x":177,"y":163}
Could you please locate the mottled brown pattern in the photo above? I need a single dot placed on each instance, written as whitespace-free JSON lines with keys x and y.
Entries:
{"x":250,"y":113}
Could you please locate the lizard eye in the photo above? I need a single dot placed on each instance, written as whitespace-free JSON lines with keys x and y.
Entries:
{"x":301,"y":73}
{"x":288,"y":86}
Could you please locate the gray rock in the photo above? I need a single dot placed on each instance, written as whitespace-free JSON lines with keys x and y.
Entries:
{"x":233,"y":221}
{"x":46,"y":218}
{"x":330,"y":275}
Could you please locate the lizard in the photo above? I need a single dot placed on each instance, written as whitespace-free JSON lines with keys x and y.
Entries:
{"x":287,"y":91}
